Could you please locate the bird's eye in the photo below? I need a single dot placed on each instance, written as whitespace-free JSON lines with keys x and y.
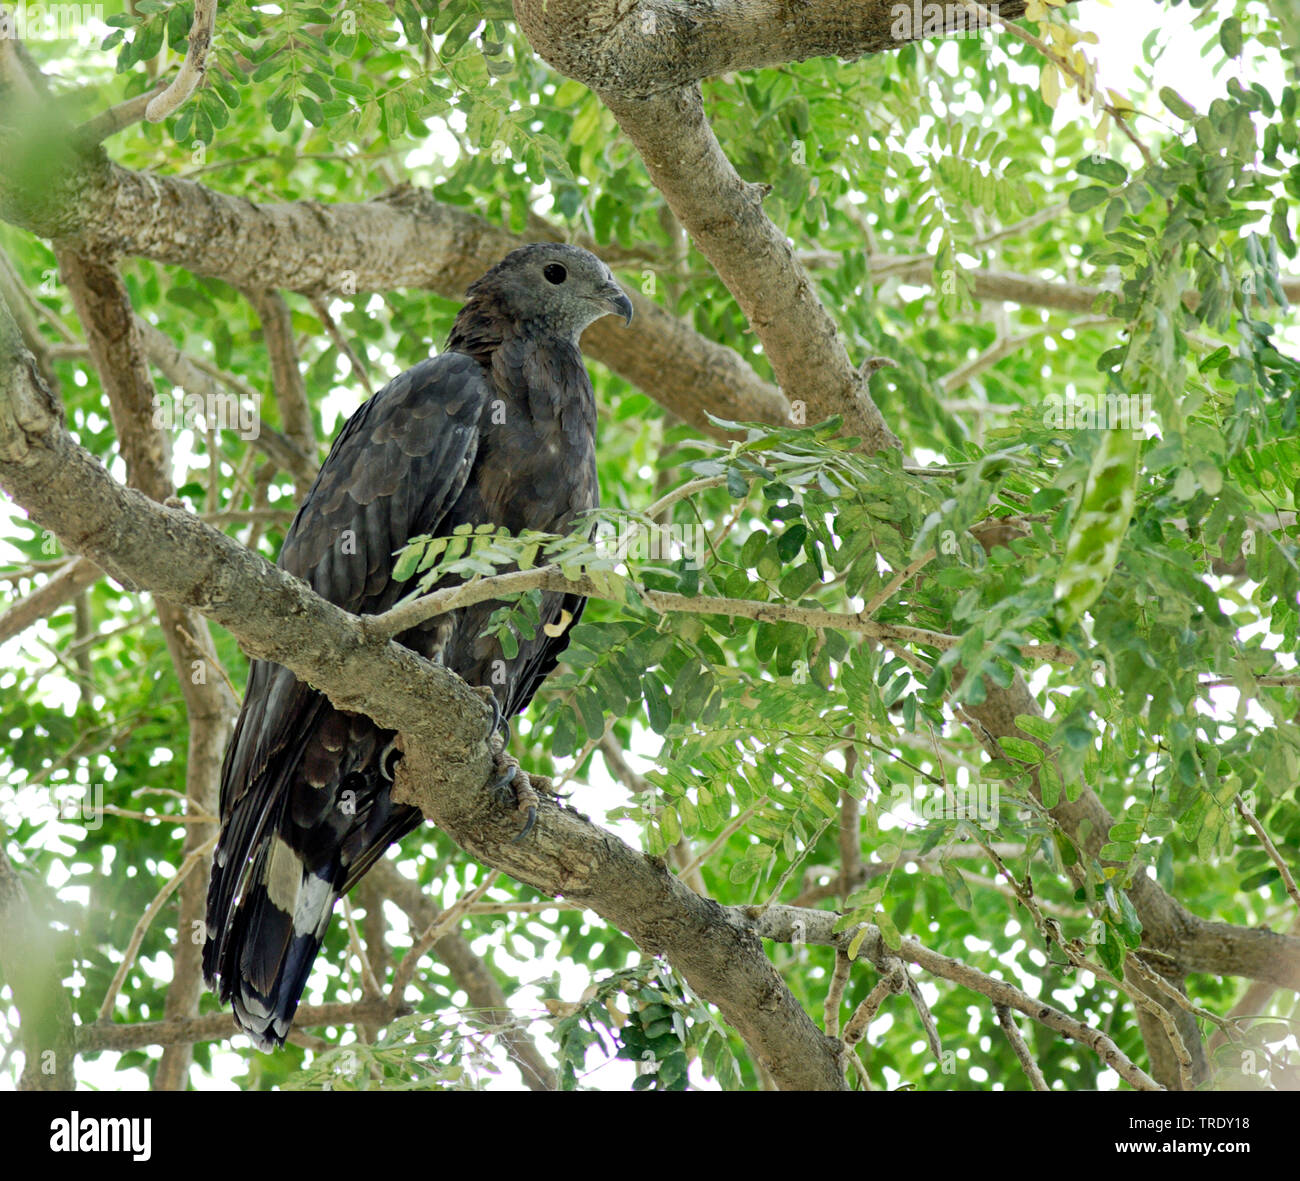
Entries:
{"x":555,"y":273}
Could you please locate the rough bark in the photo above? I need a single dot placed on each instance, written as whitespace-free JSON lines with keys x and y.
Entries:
{"x":656,"y":46}
{"x":117,"y":351}
{"x":402,"y":239}
{"x":648,"y":79}
{"x":443,"y":722}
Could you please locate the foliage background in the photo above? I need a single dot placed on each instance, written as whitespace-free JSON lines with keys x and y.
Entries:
{"x":949,"y":152}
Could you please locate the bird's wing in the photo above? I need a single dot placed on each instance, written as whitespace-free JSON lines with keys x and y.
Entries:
{"x":398,"y":465}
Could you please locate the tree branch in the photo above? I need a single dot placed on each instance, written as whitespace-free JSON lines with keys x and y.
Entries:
{"x":399,"y":619}
{"x":593,"y":43}
{"x":467,"y":969}
{"x":443,"y":722}
{"x":657,"y":46}
{"x":193,"y":68}
{"x":786,"y":923}
{"x":404,"y":238}
{"x":112,"y":332}
{"x":55,"y":592}
{"x":752,"y":257}
{"x":286,"y":376}
{"x":193,"y":375}
{"x":175,"y":1031}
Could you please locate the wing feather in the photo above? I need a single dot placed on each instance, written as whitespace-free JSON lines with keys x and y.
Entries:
{"x":396,"y":468}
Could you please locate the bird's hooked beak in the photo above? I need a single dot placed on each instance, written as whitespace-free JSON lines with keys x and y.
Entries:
{"x":615,"y":298}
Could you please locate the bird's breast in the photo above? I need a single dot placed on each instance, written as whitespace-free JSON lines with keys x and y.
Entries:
{"x":537,"y":452}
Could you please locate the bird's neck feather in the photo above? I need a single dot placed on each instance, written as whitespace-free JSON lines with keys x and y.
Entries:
{"x":481,"y":328}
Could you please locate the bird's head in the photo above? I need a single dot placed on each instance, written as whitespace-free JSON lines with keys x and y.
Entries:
{"x":556,"y":288}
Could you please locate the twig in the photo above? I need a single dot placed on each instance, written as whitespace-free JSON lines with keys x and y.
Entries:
{"x":1272,"y":681}
{"x":109,"y":1035}
{"x":151,"y":911}
{"x":1023,"y":1056}
{"x":835,"y":994}
{"x":359,"y":950}
{"x":193,"y":68}
{"x":399,"y":619}
{"x":850,"y":833}
{"x":808,"y":847}
{"x":1065,"y":66}
{"x":897,"y":581}
{"x":159,"y":817}
{"x":1006,"y":345}
{"x":1271,"y":849}
{"x":435,"y":931}
{"x":888,"y":985}
{"x":321,"y":308}
{"x":722,"y":838}
{"x":619,"y":768}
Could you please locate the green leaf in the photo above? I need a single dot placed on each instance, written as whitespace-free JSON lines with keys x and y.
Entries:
{"x":1049,"y":784}
{"x":1018,"y":748}
{"x":1109,"y":172}
{"x":658,"y":711}
{"x":888,"y":932}
{"x":956,"y":883}
{"x":1081,"y":200}
{"x":1230,"y":36}
{"x":791,"y":541}
{"x":1100,"y":524}
{"x":1174,"y":102}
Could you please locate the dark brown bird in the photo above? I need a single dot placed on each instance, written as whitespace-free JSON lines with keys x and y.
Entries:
{"x":499,"y":428}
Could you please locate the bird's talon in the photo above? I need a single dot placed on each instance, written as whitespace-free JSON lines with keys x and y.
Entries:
{"x":500,"y":787}
{"x":500,"y":723}
{"x":528,"y":826}
{"x":512,"y":788}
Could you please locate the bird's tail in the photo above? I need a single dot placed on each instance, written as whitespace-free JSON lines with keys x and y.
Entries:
{"x":263,"y":936}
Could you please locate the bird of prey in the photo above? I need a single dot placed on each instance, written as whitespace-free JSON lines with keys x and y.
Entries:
{"x":499,"y":428}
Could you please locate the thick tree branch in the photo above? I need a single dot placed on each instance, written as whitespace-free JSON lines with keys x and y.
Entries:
{"x":443,"y":722}
{"x":403,"y":239}
{"x":753,"y":258}
{"x":286,"y":376}
{"x":656,"y":46}
{"x":58,"y":590}
{"x":117,"y":350}
{"x":1194,"y":944}
{"x":594,"y":43}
